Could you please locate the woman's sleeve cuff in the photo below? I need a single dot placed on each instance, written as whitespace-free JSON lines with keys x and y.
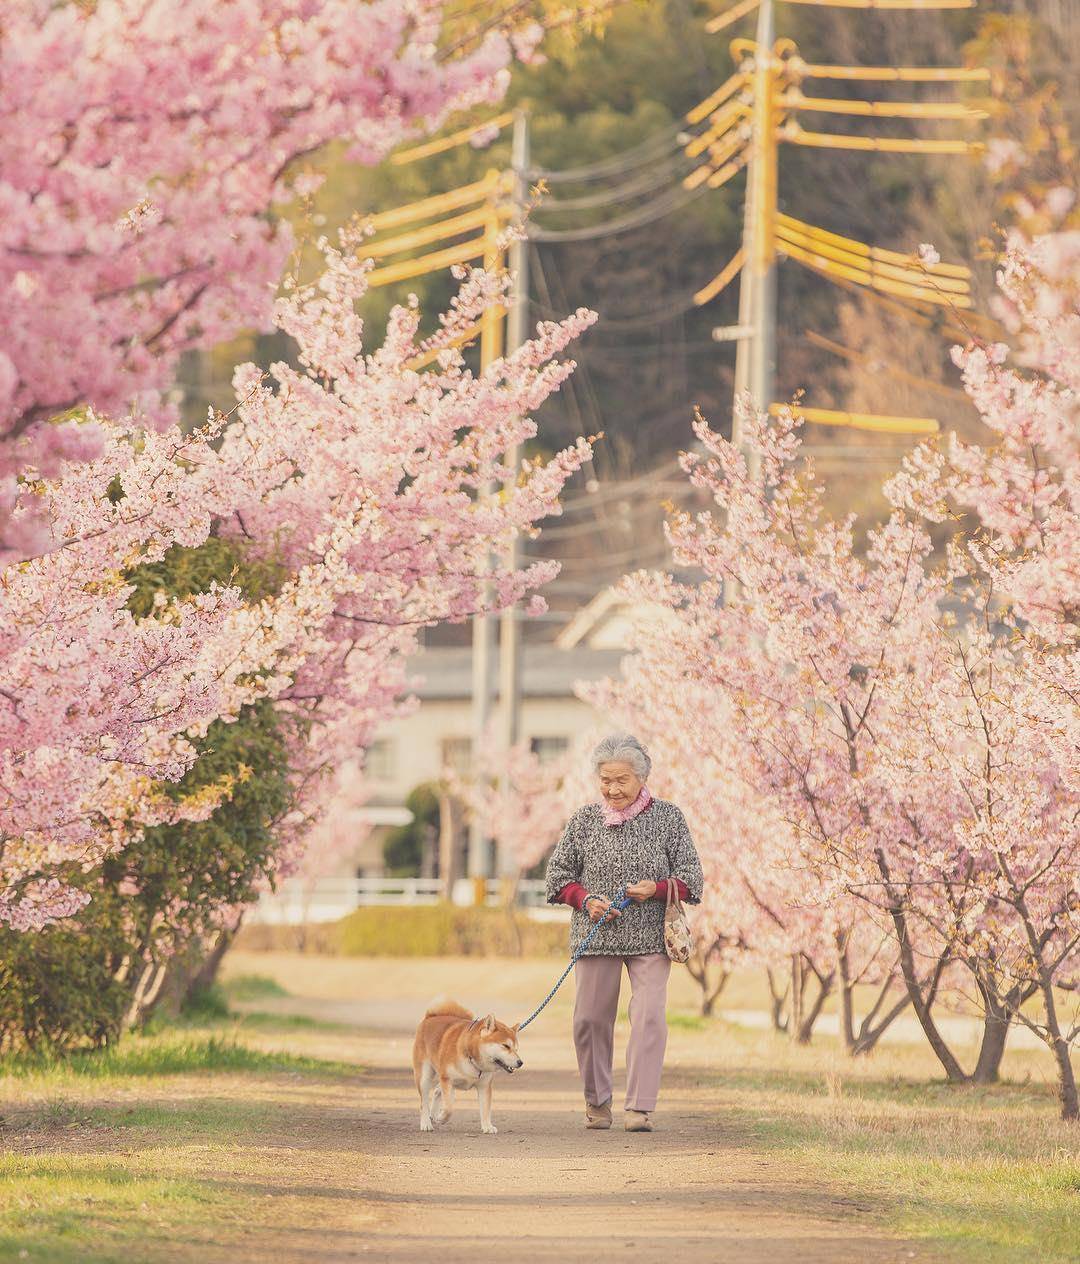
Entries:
{"x":573,"y":894}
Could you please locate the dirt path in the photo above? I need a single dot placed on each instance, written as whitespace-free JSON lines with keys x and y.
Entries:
{"x":543,"y":1188}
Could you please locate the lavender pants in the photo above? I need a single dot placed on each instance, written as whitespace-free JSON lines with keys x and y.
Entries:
{"x":598,"y":980}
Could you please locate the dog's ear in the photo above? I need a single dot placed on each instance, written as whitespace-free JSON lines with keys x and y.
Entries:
{"x":489,"y":1023}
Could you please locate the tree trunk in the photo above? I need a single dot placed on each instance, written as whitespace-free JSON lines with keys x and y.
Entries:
{"x":1070,"y":1104}
{"x":698,"y":969}
{"x":869,"y":1034}
{"x":847,"y":997}
{"x":205,"y":976}
{"x":805,"y":1028}
{"x":953,"y":1070}
{"x":798,"y":979}
{"x":777,"y":1000}
{"x":992,"y":1048}
{"x":509,"y":890}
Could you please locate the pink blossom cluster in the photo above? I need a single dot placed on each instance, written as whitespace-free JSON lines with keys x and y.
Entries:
{"x":872,"y":744}
{"x":142,"y":145}
{"x":520,"y":800}
{"x":358,"y":474}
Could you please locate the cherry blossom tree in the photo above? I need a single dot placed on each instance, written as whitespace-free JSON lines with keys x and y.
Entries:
{"x":913,"y":723}
{"x":1004,"y":728}
{"x":143,"y":146}
{"x":357,"y":474}
{"x":517,"y":799}
{"x":760,"y":905}
{"x":799,"y":658}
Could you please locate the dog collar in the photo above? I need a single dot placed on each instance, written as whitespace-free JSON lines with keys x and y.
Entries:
{"x":472,"y":1061}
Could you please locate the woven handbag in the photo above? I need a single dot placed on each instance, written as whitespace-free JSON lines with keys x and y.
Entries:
{"x":677,"y":939}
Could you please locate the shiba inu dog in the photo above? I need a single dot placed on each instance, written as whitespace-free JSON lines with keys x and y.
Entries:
{"x":454,"y":1049}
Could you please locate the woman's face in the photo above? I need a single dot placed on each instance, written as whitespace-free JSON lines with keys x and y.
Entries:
{"x":619,"y":784}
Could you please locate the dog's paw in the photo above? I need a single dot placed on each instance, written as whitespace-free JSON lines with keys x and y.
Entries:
{"x":426,"y":1125}
{"x":489,"y":1129}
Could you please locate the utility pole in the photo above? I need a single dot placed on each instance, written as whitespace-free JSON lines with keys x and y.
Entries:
{"x":755,"y":357}
{"x":517,"y":332}
{"x":490,"y":350}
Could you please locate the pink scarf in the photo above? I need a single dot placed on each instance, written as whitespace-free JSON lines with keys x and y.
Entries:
{"x":616,"y":816}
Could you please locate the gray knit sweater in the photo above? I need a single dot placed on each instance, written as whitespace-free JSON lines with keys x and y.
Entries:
{"x":655,"y":844}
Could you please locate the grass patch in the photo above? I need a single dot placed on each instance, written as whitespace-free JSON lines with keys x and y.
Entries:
{"x":159,"y":1055}
{"x":120,"y":1162}
{"x":681,"y":1021}
{"x":987,"y":1174}
{"x":93,"y":1209}
{"x":260,"y":1020}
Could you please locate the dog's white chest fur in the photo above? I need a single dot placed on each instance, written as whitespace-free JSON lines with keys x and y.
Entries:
{"x":466,"y":1075}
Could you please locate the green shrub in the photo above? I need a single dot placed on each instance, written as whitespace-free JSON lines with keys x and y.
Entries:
{"x":403,"y":850}
{"x":157,"y":901}
{"x":205,"y":1004}
{"x":253,"y":987}
{"x":445,"y":930}
{"x":56,"y":986}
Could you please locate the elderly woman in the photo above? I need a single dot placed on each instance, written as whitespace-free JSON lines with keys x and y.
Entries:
{"x":633,"y":842}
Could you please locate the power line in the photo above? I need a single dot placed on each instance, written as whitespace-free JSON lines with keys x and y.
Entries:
{"x":654,"y":178}
{"x":627,"y":160}
{"x":675,"y":199}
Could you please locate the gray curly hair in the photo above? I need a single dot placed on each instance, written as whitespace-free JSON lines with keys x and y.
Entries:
{"x":623,"y":748}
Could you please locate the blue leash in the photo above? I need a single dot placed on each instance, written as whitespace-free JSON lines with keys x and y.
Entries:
{"x":620,"y":902}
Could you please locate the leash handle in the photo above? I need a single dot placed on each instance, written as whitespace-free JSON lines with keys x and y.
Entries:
{"x":621,"y":901}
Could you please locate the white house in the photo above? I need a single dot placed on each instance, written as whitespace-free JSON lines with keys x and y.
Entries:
{"x":414,"y":749}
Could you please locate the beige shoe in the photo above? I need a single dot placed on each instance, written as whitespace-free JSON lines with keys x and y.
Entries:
{"x":638,"y":1121}
{"x":598,"y":1116}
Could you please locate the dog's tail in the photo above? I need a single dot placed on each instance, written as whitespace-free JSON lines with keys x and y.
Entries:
{"x":442,"y":1006}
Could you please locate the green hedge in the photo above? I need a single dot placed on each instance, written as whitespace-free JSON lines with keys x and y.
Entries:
{"x":436,"y":930}
{"x":445,"y":930}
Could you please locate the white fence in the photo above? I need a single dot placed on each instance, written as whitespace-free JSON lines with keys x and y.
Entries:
{"x":297,"y":901}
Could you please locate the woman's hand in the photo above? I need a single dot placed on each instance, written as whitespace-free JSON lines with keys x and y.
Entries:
{"x":641,"y":891}
{"x":599,"y":907}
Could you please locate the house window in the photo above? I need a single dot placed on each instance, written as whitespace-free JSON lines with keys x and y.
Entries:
{"x":381,"y":763}
{"x":547,"y":749}
{"x":457,"y":754}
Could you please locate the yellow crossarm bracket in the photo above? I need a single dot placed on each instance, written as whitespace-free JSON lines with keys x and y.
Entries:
{"x":720,"y":282}
{"x":723,"y":174}
{"x":868,"y":258}
{"x":889,"y":4}
{"x":725,"y":118}
{"x":861,"y":421}
{"x":870,"y":276}
{"x":440,"y":145}
{"x":913,"y":311}
{"x":730,"y":16}
{"x":430,"y":233}
{"x":717,"y":154}
{"x":890,"y":74}
{"x":953,"y":110}
{"x":712,"y":102}
{"x":433,"y":262}
{"x":493,"y":183}
{"x":795,"y":135}
{"x":872,"y":252}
